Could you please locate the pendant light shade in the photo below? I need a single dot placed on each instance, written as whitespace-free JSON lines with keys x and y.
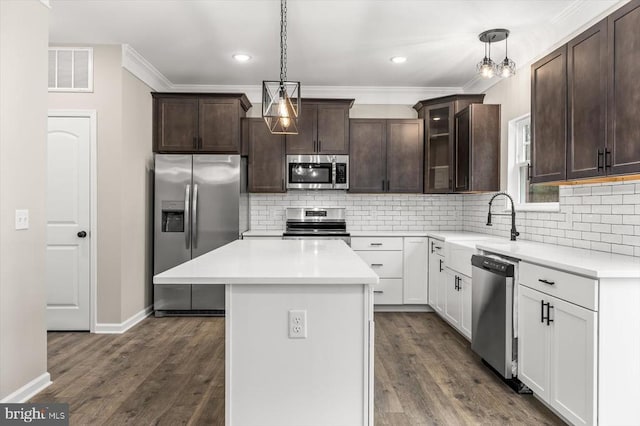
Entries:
{"x":281,"y":99}
{"x":507,"y":67}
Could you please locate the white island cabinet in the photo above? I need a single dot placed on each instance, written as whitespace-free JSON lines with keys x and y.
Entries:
{"x":298,"y":330}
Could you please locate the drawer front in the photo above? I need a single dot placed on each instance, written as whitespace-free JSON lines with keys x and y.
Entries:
{"x":382,"y":243}
{"x":388,"y":292}
{"x":436,"y":247}
{"x":573,"y":288}
{"x":387,"y":264}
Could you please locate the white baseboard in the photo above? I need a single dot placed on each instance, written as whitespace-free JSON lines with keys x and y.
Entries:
{"x":402,"y":308}
{"x":27,"y":391}
{"x":119,"y":328}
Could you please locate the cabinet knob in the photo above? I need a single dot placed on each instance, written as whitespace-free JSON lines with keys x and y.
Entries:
{"x":81,"y":234}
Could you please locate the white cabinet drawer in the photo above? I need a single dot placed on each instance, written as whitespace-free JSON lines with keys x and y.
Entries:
{"x":372,"y":243}
{"x":388,"y":292}
{"x":387,"y":264}
{"x":573,"y":288}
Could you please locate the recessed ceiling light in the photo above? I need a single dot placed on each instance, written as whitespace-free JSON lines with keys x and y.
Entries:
{"x":399,"y":59}
{"x":241,"y":57}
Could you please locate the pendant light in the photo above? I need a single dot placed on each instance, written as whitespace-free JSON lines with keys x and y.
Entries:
{"x":507,"y":67}
{"x":487,"y":68}
{"x":281,"y":99}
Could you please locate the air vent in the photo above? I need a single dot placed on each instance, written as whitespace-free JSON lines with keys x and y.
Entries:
{"x":70,"y":69}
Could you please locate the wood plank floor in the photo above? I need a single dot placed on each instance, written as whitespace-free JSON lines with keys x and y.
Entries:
{"x":170,"y":371}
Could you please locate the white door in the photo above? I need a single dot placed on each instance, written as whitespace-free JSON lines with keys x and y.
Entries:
{"x":67,"y":268}
{"x":573,"y":362}
{"x":533,"y":341}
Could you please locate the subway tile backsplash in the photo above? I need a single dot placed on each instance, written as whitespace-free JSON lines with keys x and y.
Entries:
{"x":365,"y":212}
{"x":600,"y":216}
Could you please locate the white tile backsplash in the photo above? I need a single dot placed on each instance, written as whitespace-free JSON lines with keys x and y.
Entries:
{"x":599,"y":216}
{"x":365,"y":212}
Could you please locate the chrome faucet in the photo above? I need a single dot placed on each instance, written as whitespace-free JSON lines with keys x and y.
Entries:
{"x":514,"y":233}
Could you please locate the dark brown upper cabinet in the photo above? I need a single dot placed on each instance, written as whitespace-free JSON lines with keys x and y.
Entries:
{"x":587,"y":102}
{"x":623,"y":139}
{"x":477,"y":148}
{"x":549,"y":117}
{"x":266,"y":157}
{"x":323,"y":128}
{"x":198,"y":123}
{"x":438,"y":115}
{"x":386,"y":155}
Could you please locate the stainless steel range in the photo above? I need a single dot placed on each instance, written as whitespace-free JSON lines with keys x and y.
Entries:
{"x":316,"y":223}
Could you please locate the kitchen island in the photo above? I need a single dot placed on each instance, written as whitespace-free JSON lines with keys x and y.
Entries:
{"x":298,"y":330}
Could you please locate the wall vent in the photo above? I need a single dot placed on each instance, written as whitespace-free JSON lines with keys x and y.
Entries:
{"x":70,"y":69}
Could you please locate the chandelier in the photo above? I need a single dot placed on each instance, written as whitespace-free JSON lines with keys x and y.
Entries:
{"x":487,"y":68}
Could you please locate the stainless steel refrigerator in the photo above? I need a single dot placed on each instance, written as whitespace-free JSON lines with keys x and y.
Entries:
{"x":201,"y":203}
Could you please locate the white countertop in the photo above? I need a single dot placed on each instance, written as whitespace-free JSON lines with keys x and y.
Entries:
{"x":460,"y":235}
{"x":263,"y":233}
{"x":589,"y":263}
{"x":388,"y":233}
{"x":274,"y":262}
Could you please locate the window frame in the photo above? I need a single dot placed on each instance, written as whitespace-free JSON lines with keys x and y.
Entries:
{"x":513,"y":171}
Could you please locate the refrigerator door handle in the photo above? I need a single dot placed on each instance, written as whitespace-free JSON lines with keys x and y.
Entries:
{"x":195,"y":216}
{"x":187,"y":221}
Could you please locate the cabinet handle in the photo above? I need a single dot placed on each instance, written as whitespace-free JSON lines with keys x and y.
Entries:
{"x":456,"y":285}
{"x":607,"y":158}
{"x":200,"y":143}
{"x":195,"y":142}
{"x":282,"y":184}
{"x":314,"y":146}
{"x":377,"y":265}
{"x":383,"y":184}
{"x":549,"y":308}
{"x":388,"y":185}
{"x":600,"y":160}
{"x":542,"y":310}
{"x":378,"y":291}
{"x":440,"y":265}
{"x":375,"y":244}
{"x":546,"y":281}
{"x":319,"y":145}
{"x":529,"y":171}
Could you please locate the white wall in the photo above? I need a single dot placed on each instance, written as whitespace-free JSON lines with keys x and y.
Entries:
{"x":23,"y":133}
{"x":124,"y":114}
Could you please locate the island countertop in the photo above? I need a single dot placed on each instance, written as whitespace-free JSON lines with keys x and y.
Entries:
{"x":273,"y":262}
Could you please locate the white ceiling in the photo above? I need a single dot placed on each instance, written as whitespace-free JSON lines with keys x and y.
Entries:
{"x":331,"y":42}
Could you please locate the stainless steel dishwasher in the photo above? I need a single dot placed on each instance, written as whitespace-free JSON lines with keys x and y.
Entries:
{"x":493,"y":318}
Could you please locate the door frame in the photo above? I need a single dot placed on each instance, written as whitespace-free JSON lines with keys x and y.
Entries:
{"x":93,"y":204}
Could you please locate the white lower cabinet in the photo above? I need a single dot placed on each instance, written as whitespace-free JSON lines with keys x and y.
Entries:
{"x":401,"y":264}
{"x":457,"y":304}
{"x":437,"y":276}
{"x":557,"y":343}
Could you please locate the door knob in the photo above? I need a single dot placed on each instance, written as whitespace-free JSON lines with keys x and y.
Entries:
{"x":82,"y":234}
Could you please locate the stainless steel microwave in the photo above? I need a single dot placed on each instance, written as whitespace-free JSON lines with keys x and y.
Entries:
{"x":317,"y":172}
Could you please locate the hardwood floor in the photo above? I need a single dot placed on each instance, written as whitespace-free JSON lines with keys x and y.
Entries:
{"x":170,"y":371}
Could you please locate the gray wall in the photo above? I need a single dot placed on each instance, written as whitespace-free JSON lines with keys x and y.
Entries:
{"x":24,"y":36}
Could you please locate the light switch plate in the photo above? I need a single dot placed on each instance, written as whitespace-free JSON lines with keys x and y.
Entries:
{"x":22,"y":219}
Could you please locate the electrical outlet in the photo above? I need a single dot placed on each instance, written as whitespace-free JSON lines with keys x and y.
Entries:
{"x":297,"y":324}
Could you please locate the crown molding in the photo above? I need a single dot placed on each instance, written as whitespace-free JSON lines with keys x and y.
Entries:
{"x":137,"y":65}
{"x":565,"y":13}
{"x":361,"y":94}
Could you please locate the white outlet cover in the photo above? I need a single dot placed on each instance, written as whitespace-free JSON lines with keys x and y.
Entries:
{"x":297,"y":324}
{"x":22,"y":219}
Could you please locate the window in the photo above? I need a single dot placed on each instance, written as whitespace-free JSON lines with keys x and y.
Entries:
{"x":528,"y":196}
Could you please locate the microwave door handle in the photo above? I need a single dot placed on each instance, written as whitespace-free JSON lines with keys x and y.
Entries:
{"x":187,"y":222}
{"x":333,"y":174}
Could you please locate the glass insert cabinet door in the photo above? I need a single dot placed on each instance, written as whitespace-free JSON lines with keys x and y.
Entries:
{"x":439,"y":149}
